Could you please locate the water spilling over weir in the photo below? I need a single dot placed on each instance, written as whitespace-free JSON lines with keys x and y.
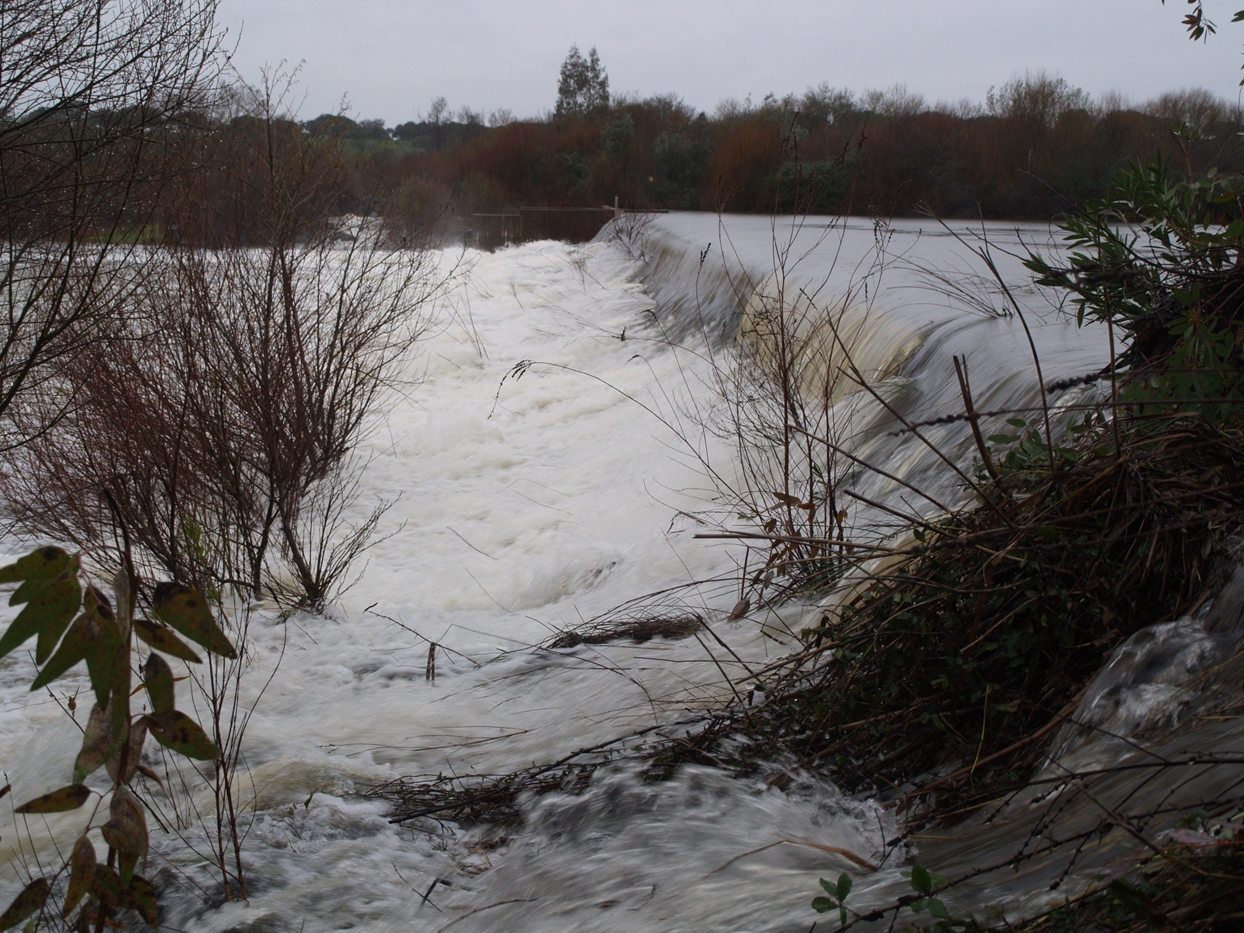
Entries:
{"x":526,"y":501}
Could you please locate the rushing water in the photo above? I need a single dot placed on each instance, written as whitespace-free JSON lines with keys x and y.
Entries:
{"x":523,"y":505}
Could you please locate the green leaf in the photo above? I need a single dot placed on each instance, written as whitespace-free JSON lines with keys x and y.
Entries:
{"x":104,"y":652}
{"x":844,"y":886}
{"x":81,"y":874}
{"x":47,"y":609}
{"x":188,"y":612}
{"x":183,"y":735}
{"x":42,"y":564}
{"x":58,"y":617}
{"x":126,"y":863}
{"x":920,"y":880}
{"x":72,"y":650}
{"x":160,"y":638}
{"x":144,"y":899}
{"x":158,"y":678}
{"x":1017,"y":422}
{"x":32,"y":587}
{"x":938,"y":909}
{"x":823,"y":905}
{"x":58,"y":801}
{"x":27,"y":590}
{"x":26,"y":904}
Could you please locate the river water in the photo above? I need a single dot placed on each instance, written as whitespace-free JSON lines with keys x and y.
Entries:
{"x":527,"y":503}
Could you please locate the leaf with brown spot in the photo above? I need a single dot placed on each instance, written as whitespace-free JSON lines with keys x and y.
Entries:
{"x":183,"y":735}
{"x":58,"y":801}
{"x":96,"y":744}
{"x":81,"y":874}
{"x":94,"y":599}
{"x":108,"y":888}
{"x":127,"y":817}
{"x":189,"y":613}
{"x":26,"y":904}
{"x":41,"y":564}
{"x":133,"y":754}
{"x":160,"y":638}
{"x":96,"y":603}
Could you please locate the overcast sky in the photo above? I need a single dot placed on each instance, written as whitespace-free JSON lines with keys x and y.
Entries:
{"x":389,"y":58}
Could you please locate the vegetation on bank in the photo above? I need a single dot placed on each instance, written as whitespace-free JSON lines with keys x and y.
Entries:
{"x":1036,"y":148}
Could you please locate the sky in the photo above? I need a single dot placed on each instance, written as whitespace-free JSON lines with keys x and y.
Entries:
{"x":389,"y":58}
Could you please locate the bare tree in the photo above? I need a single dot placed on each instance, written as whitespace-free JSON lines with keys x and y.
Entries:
{"x":215,"y":423}
{"x":437,"y":116}
{"x":93,"y":103}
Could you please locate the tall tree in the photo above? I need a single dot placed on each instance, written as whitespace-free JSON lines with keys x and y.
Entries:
{"x":583,"y":87}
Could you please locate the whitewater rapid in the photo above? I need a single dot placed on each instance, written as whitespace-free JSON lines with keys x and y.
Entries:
{"x":524,"y":502}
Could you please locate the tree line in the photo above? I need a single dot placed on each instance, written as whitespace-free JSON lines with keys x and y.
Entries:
{"x":1036,"y":147}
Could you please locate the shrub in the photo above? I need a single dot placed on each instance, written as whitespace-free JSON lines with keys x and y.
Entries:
{"x":74,"y":623}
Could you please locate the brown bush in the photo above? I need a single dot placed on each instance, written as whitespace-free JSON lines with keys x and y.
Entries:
{"x":212,"y":422}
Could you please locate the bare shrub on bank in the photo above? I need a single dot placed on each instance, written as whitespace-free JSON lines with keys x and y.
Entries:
{"x":223,"y":408}
{"x":788,"y":393}
{"x":93,"y":114}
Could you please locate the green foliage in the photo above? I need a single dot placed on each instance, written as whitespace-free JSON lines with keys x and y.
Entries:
{"x":836,"y":899}
{"x":1159,"y":261}
{"x":582,"y":87}
{"x":185,"y":610}
{"x":925,"y":883}
{"x":58,"y":609}
{"x":58,"y":801}
{"x":618,"y":134}
{"x":819,"y":187}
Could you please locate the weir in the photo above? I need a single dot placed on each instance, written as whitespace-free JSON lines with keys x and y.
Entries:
{"x":871,"y":303}
{"x":553,"y":464}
